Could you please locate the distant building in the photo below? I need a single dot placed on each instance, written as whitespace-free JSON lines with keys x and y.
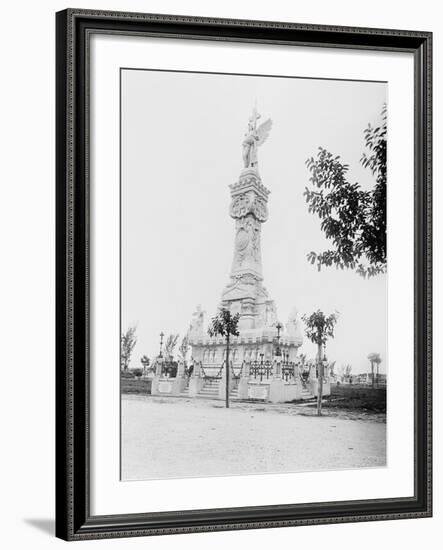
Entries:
{"x":365,"y":378}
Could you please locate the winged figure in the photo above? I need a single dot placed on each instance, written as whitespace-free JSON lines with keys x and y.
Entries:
{"x":254,"y":137}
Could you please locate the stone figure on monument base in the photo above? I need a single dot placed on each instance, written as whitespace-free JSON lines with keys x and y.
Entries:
{"x":196,"y":327}
{"x":293,"y":325}
{"x":270,"y":314}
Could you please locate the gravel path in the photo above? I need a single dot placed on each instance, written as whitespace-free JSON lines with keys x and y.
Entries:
{"x":167,"y":437}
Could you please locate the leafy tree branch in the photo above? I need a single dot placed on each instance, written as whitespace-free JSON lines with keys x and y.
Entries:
{"x":352,"y":218}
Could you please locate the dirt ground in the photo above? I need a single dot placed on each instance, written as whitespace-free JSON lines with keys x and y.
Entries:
{"x":171,"y":437}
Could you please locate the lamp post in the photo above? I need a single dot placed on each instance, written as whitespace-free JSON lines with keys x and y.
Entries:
{"x":145,"y":362}
{"x":161,"y":344}
{"x":278,"y":326}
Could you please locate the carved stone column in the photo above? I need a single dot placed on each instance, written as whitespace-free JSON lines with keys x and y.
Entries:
{"x":245,"y":292}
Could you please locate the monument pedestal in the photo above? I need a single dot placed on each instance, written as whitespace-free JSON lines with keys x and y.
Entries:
{"x":326,"y":387}
{"x":313,"y":386}
{"x":292,"y":391}
{"x":167,"y":386}
{"x":258,"y":390}
{"x":243,"y":388}
{"x":276,"y":390}
{"x":195,"y":385}
{"x":222,"y":385}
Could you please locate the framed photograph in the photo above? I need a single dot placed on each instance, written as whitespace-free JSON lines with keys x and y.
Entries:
{"x":243,"y":274}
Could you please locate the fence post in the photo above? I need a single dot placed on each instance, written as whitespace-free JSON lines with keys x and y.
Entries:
{"x":278,"y":367}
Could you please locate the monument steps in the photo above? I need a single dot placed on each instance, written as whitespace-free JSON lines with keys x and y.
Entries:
{"x":211,"y":390}
{"x":306,"y":394}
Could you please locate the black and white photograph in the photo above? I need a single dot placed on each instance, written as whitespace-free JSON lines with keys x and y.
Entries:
{"x":221,"y":246}
{"x":253,"y":274}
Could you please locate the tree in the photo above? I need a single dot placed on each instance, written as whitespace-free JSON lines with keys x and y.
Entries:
{"x":127,"y":343}
{"x":170,"y":344}
{"x":374,"y":359}
{"x":225,"y":324}
{"x":319,"y":328}
{"x":344,"y":372}
{"x":352,"y":218}
{"x":348,"y":372}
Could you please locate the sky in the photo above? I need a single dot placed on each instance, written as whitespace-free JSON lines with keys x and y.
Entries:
{"x":181,"y":136}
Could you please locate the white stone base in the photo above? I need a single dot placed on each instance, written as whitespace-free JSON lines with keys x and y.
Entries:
{"x":243,"y":388}
{"x":222,"y":387}
{"x":274,"y":391}
{"x":195,"y":385}
{"x":313,"y":386}
{"x":167,"y":386}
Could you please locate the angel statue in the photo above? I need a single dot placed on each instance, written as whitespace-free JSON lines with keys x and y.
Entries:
{"x":254,"y":138}
{"x":293,"y":324}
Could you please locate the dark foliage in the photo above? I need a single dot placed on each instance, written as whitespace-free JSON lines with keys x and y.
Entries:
{"x":320,"y":327}
{"x":352,"y":218}
{"x":127,"y":343}
{"x":224,"y":324}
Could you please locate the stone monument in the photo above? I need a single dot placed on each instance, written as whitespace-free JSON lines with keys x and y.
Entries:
{"x":261,"y":347}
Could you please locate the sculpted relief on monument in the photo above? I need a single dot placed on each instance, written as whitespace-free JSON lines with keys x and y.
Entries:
{"x":249,"y":203}
{"x":247,"y":242}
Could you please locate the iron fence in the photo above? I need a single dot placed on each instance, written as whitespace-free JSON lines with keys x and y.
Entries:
{"x":287,"y":371}
{"x":216,"y":376}
{"x":237,"y":375}
{"x":261,"y":369}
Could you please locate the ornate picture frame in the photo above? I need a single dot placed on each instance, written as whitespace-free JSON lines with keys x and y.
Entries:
{"x":74,"y":520}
